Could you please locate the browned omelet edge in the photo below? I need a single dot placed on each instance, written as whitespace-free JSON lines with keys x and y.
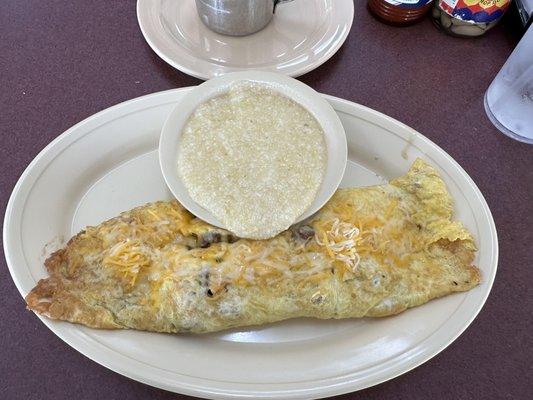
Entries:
{"x":65,"y":306}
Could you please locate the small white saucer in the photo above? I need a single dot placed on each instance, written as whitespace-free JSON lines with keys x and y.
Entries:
{"x":302,"y":35}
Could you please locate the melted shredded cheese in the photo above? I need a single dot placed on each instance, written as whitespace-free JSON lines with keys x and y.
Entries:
{"x":127,"y":258}
{"x":340,"y":242}
{"x":342,"y":236}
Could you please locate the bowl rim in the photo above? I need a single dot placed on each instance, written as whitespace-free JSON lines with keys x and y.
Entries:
{"x":312,"y":101}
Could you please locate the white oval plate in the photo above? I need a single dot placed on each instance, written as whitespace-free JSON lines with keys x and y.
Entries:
{"x":108,"y":163}
{"x":302,"y":35}
{"x":334,"y":134}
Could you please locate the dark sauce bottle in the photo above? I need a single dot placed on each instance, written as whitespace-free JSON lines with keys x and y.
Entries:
{"x":399,"y":12}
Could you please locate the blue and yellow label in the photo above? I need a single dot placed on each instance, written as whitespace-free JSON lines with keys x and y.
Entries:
{"x":479,"y":11}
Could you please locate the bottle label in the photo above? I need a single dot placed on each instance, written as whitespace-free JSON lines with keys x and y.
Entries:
{"x":478,"y":11}
{"x":408,"y":3}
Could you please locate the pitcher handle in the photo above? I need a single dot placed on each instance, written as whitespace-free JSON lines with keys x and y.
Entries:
{"x":276,"y":2}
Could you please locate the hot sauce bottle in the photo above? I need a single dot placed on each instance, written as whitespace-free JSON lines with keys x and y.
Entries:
{"x":399,"y":12}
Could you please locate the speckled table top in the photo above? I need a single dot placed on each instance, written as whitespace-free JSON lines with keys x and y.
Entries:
{"x":62,"y":61}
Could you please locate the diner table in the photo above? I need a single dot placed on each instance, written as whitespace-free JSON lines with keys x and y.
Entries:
{"x":62,"y":61}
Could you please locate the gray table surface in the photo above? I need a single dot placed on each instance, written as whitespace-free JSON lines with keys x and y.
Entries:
{"x":61,"y":61}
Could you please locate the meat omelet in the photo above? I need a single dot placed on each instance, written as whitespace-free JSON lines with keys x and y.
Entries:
{"x":370,"y":252}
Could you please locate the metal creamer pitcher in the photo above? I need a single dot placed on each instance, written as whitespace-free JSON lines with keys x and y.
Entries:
{"x":237,"y":17}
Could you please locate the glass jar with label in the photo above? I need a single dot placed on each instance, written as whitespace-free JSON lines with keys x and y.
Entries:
{"x":399,"y":12}
{"x":468,"y":18}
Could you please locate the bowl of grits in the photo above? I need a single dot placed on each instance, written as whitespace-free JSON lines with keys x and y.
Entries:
{"x":253,"y":152}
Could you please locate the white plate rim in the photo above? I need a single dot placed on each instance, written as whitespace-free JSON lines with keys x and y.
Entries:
{"x":197,"y":386}
{"x":201,"y":75}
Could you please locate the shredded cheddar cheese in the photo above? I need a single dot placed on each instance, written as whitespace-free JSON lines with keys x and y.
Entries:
{"x":340,"y":242}
{"x":342,"y":236}
{"x":127,"y":258}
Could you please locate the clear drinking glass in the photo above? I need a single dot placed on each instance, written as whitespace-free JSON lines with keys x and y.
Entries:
{"x":509,"y":98}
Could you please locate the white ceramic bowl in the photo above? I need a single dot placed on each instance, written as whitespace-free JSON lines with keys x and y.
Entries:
{"x":334,"y":134}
